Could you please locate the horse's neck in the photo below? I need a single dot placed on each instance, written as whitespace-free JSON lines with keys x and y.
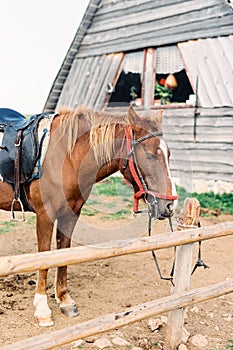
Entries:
{"x":107,"y":170}
{"x":118,"y":157}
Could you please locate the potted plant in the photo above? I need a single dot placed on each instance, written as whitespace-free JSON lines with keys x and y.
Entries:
{"x":133,"y":94}
{"x":163,"y":92}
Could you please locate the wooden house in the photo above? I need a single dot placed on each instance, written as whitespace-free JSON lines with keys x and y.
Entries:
{"x":124,"y":52}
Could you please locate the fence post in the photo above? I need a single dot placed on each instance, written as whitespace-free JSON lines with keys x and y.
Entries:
{"x":182,"y":272}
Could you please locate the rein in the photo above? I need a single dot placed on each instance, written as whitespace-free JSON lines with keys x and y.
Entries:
{"x":150,"y":196}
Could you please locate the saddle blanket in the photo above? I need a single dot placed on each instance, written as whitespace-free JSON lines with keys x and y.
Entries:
{"x":43,"y":140}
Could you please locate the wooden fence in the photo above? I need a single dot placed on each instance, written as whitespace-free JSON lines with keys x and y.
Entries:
{"x":183,"y":239}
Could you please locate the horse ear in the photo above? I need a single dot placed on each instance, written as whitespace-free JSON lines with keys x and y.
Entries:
{"x":159,"y":116}
{"x":154,"y":118}
{"x":134,"y":118}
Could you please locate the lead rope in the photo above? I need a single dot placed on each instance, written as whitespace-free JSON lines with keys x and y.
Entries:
{"x":150,"y":197}
{"x":199,"y":262}
{"x":154,"y":255}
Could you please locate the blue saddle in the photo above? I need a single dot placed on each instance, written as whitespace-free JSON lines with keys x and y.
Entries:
{"x":9,"y":116}
{"x":20,"y":149}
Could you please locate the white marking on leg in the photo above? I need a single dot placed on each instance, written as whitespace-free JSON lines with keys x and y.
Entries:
{"x":42,"y":313}
{"x":41,"y":305}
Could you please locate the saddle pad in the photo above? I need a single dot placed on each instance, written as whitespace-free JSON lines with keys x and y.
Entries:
{"x":1,"y":137}
{"x":43,"y":137}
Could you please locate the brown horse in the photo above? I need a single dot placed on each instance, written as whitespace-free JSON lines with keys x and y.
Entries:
{"x":86,"y":147}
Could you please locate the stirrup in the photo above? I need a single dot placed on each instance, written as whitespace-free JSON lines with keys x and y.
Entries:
{"x":13,"y":213}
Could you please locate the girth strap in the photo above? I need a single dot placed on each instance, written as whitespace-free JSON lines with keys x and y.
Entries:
{"x":17,"y":178}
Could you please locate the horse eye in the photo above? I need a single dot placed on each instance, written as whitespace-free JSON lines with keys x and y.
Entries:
{"x":150,"y":155}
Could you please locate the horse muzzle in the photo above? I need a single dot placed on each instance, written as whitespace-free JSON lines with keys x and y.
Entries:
{"x":166,"y":208}
{"x":160,"y":208}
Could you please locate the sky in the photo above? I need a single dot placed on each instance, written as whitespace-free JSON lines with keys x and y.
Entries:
{"x":34,"y":39}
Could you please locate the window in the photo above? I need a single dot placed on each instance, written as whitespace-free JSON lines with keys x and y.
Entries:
{"x":129,"y":84}
{"x":182,"y":91}
{"x":144,"y":76}
{"x":169,"y":63}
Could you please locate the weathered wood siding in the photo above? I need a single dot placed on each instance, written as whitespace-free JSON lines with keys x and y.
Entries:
{"x":89,"y":87}
{"x":206,"y":165}
{"x":125,"y":25}
{"x":210,"y":159}
{"x":211,"y":61}
{"x":60,"y":79}
{"x":111,"y":26}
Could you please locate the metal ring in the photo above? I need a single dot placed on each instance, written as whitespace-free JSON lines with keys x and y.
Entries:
{"x":150,"y":194}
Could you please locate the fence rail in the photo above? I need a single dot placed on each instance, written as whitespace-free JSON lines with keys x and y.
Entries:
{"x":112,"y":321}
{"x":38,"y":261}
{"x":186,"y":238}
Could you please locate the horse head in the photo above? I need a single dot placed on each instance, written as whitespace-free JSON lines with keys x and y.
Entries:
{"x":146,"y":164}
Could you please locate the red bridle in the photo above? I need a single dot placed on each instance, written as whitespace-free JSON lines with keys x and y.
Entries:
{"x":135,"y":172}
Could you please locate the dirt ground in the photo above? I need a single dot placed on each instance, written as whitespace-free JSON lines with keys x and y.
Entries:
{"x":115,"y":284}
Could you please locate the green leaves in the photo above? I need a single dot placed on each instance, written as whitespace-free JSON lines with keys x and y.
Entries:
{"x":163,"y":93}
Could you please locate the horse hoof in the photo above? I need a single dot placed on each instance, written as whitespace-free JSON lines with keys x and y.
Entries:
{"x":69,"y":310}
{"x":44,"y":321}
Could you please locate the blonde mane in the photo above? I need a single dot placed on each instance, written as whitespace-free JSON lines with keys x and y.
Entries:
{"x":102,"y":127}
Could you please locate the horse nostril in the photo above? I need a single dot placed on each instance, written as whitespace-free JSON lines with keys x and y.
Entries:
{"x":170,"y":207}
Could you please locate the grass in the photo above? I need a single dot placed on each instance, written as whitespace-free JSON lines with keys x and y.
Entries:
{"x":209,"y":200}
{"x":113,"y":186}
{"x":116,"y":190}
{"x":112,"y":199}
{"x":121,"y":214}
{"x":9,"y":226}
{"x":229,"y":345}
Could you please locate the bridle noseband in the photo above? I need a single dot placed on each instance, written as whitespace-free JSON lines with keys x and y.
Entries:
{"x":131,"y":160}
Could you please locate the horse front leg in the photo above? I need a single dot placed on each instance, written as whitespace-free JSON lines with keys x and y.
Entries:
{"x":65,"y":229}
{"x":43,"y":314}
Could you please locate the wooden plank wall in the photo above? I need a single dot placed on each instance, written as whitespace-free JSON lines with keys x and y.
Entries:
{"x":88,"y":81}
{"x":211,"y":60}
{"x":210,"y":159}
{"x":206,"y":165}
{"x":64,"y":70}
{"x":111,"y":26}
{"x":128,"y":25}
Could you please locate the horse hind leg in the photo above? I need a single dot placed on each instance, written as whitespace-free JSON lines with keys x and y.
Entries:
{"x":43,"y":314}
{"x":66,"y":303}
